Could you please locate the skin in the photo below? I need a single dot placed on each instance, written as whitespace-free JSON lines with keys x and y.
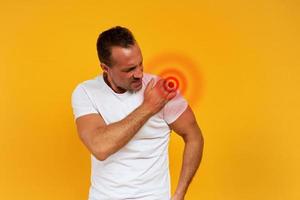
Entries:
{"x":127,"y":70}
{"x":125,"y":75}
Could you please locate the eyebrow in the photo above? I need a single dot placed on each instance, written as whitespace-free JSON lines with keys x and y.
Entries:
{"x":128,"y":68}
{"x":131,"y":67}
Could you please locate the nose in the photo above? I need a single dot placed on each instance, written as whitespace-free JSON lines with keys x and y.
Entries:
{"x":138,"y":72}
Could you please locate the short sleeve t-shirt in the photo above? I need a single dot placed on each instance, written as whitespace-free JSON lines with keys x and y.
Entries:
{"x":140,"y":169}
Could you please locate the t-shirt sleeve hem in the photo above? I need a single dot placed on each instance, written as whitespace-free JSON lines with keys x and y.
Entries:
{"x":82,"y":114}
{"x":178,"y":114}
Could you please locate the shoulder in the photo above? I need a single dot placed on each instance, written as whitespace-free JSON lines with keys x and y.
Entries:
{"x":89,"y":85}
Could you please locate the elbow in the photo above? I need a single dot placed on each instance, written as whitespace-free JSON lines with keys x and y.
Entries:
{"x":101,"y":154}
{"x":198,"y":140}
{"x":100,"y":150}
{"x":100,"y":157}
{"x":201,"y":141}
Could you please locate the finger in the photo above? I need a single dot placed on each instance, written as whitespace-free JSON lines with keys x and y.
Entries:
{"x":171,"y":95}
{"x":160,"y":83}
{"x":160,"y":87}
{"x":149,"y":85}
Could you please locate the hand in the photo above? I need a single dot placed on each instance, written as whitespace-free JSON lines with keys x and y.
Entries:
{"x":155,"y":97}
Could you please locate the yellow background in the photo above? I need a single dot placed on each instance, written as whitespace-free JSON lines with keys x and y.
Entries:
{"x":246,"y":51}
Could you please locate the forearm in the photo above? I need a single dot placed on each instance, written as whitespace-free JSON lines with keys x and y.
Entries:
{"x":192,"y":156}
{"x":114,"y":136}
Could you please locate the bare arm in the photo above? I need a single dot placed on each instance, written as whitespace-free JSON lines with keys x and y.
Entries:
{"x":103,"y":140}
{"x":187,"y":127}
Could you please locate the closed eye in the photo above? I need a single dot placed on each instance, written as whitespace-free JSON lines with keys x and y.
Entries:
{"x":130,"y":69}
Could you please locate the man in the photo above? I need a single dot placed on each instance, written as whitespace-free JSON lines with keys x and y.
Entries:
{"x":124,"y":118}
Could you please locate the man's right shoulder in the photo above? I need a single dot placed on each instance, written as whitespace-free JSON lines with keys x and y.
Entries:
{"x":82,"y":98}
{"x":89,"y":84}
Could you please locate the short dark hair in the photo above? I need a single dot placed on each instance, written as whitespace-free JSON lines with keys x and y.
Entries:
{"x":116,"y":36}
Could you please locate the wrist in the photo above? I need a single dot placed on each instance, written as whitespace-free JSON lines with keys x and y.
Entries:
{"x":147,"y":109}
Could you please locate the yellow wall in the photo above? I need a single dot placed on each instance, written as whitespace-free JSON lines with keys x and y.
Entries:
{"x":247,"y":98}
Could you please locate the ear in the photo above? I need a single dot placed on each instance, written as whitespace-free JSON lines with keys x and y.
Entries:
{"x":104,"y":67}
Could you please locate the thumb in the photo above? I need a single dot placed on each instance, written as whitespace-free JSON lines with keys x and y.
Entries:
{"x":149,"y":85}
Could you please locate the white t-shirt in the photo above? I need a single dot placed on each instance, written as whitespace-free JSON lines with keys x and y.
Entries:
{"x":140,"y":169}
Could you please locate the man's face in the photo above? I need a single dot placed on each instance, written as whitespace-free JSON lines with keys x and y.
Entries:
{"x":126,"y":72}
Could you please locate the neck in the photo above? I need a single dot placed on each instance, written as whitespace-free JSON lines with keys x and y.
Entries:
{"x":111,"y":85}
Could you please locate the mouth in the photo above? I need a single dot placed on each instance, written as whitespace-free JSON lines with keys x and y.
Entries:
{"x":137,"y":83}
